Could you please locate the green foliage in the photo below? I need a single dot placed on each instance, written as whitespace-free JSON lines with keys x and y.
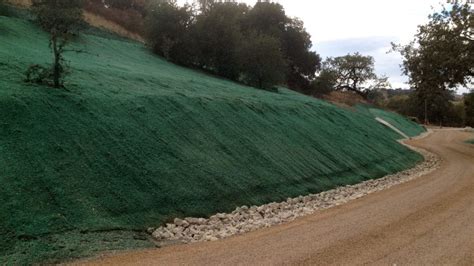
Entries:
{"x":4,"y":10}
{"x":60,"y":19}
{"x":212,"y":38}
{"x":401,"y":104}
{"x":38,"y":74}
{"x":267,"y":18}
{"x":301,"y":61}
{"x":270,"y":19}
{"x":136,"y":141}
{"x":440,"y":58}
{"x":351,"y":71}
{"x":324,"y":83}
{"x":218,"y":37}
{"x":469,"y":109}
{"x":262,"y":62}
{"x":205,"y":5}
{"x":57,"y":17}
{"x":167,"y":25}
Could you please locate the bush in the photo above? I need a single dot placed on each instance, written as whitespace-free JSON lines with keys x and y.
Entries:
{"x":38,"y":74}
{"x":323,"y":84}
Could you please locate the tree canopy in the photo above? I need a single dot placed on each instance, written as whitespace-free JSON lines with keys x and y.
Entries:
{"x":262,"y":62}
{"x":350,"y":71}
{"x":60,"y":19}
{"x":440,"y":59}
{"x":214,"y":38}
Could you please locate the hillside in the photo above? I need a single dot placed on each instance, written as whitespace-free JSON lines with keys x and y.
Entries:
{"x":135,"y":141}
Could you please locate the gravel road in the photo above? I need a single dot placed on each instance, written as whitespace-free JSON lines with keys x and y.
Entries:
{"x":428,"y":220}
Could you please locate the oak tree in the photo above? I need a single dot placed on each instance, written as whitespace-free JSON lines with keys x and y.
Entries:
{"x":61,"y":19}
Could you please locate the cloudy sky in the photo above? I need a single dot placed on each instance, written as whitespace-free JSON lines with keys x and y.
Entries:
{"x":339,"y":27}
{"x":365,"y":26}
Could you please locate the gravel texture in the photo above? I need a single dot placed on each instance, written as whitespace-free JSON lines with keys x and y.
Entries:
{"x":245,"y":219}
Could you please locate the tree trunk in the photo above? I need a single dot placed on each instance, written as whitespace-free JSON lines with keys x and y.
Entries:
{"x":349,"y":88}
{"x":57,"y":62}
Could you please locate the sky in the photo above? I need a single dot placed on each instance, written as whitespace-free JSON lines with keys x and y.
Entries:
{"x":339,"y":27}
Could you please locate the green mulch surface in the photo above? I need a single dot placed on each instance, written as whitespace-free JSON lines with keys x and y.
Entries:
{"x":135,"y":141}
{"x":407,"y":126}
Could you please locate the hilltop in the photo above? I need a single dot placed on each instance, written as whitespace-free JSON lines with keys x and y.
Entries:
{"x":135,"y":141}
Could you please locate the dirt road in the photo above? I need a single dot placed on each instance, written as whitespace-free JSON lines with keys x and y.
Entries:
{"x":426,"y":221}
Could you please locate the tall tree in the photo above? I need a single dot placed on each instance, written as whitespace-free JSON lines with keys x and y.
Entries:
{"x":262,"y":61}
{"x":205,"y":5}
{"x":61,"y":19}
{"x":302,"y":62}
{"x":266,"y":18}
{"x":439,"y":59}
{"x":270,"y":19}
{"x":167,"y":26}
{"x":352,"y":71}
{"x":218,"y":37}
{"x":214,"y":36}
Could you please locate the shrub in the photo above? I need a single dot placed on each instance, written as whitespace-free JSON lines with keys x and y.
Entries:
{"x":38,"y":74}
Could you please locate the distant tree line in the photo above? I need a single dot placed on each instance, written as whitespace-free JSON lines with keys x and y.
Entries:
{"x":260,"y":46}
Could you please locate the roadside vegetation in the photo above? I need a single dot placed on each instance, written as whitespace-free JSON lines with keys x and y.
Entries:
{"x":439,"y":60}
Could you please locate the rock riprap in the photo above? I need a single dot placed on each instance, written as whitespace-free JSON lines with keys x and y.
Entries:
{"x":245,"y":219}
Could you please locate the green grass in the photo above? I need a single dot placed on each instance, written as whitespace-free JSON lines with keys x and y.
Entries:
{"x":136,"y":141}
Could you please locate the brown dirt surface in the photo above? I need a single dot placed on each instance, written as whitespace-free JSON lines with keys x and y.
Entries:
{"x":426,"y":221}
{"x":94,"y":20}
{"x":100,"y":22}
{"x":344,"y":98}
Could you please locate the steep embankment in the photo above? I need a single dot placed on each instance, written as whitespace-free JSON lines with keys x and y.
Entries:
{"x":135,"y":141}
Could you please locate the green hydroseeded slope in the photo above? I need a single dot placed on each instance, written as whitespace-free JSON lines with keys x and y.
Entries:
{"x":135,"y":141}
{"x":408,"y":127}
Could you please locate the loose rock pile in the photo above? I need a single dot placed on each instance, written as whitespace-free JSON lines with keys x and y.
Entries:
{"x":245,"y":219}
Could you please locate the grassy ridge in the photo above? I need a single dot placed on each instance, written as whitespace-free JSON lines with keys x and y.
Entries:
{"x":135,"y":141}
